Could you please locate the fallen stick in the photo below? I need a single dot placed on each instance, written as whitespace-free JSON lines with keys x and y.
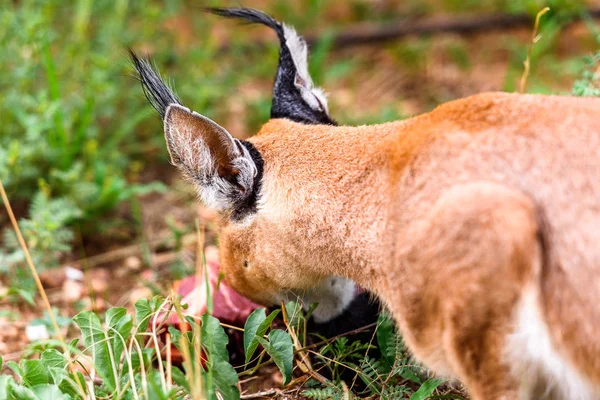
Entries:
{"x":371,"y":33}
{"x":131,"y":250}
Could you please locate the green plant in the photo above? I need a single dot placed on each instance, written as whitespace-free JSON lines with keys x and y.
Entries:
{"x":391,"y":375}
{"x":588,"y":84}
{"x":68,"y":132}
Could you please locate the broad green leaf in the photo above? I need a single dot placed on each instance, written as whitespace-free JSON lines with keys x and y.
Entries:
{"x":53,"y":358}
{"x":35,"y":373}
{"x":15,"y":368}
{"x":175,"y":336}
{"x":280,"y":348}
{"x":57,"y":374}
{"x":214,"y":340}
{"x":407,"y":373}
{"x":155,"y":389}
{"x":4,"y":382}
{"x":18,"y":392}
{"x":95,"y":338}
{"x":225,"y":379}
{"x":74,"y":383}
{"x":143,"y":314}
{"x":49,"y":392}
{"x":426,"y":389}
{"x":179,"y":378}
{"x":250,"y":328}
{"x":120,"y":325}
{"x":257,"y":324}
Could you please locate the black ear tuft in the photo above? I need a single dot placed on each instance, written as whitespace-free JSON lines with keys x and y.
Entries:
{"x":158,"y":93}
{"x":294,"y":96}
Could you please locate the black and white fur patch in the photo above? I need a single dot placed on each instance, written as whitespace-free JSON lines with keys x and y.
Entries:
{"x":294,"y":94}
{"x":194,"y":159}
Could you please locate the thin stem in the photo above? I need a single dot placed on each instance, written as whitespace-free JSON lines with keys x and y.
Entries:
{"x":34,"y":272}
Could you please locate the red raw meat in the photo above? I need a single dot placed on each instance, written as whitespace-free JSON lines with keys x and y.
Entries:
{"x":228,"y":305}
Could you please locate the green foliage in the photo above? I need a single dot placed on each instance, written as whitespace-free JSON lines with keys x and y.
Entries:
{"x":46,"y":231}
{"x":392,"y":375}
{"x":588,"y":84}
{"x":278,"y":344}
{"x":256,"y":326}
{"x":330,"y":391}
{"x":69,"y":142}
{"x":123,"y":359}
{"x":279,"y":347}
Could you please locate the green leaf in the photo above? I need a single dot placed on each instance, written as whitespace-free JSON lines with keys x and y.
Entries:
{"x":225,"y":379}
{"x":95,"y":338}
{"x":280,"y":348}
{"x":256,"y":325}
{"x":426,"y":389}
{"x":73,"y":385}
{"x":407,"y":373}
{"x":143,"y":314}
{"x":386,"y":339}
{"x":35,"y":373}
{"x":294,"y":313}
{"x":18,"y":392}
{"x":4,"y":382}
{"x":15,"y":368}
{"x":57,"y":375}
{"x":27,"y":296}
{"x":179,"y":378}
{"x":49,"y":392}
{"x":120,"y":325}
{"x":214,"y":340}
{"x":53,"y":358}
{"x":175,"y":336}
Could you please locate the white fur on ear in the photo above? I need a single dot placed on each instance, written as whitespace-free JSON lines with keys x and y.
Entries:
{"x":209,"y":157}
{"x":314,"y":97}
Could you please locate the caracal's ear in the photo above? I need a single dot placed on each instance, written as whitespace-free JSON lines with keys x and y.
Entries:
{"x":294,"y":95}
{"x":220,"y":166}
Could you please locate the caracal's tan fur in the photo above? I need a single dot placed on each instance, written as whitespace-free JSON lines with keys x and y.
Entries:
{"x":478,"y":224}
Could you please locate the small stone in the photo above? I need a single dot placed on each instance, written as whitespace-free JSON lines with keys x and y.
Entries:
{"x":98,"y":280}
{"x":139,"y":293}
{"x":72,"y":291}
{"x":133,"y":263}
{"x":53,"y":278}
{"x":36,"y":332}
{"x":99,"y":285}
{"x":73,"y":274}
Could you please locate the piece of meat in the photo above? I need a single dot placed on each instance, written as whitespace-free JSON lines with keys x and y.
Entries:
{"x":228,"y":305}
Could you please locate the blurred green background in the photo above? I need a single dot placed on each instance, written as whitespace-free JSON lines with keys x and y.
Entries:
{"x":80,"y":149}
